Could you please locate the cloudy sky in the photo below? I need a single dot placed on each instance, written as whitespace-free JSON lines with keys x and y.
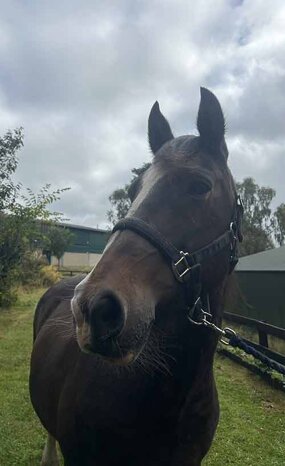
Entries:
{"x":81,"y":77}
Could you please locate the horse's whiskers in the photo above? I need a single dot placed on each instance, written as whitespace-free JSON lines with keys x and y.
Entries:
{"x":153,"y":357}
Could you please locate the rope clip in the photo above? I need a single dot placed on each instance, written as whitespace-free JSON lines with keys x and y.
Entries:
{"x":227,"y":334}
{"x":197,"y":316}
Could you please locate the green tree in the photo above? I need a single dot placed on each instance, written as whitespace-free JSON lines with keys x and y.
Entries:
{"x":279,"y":224}
{"x":57,"y":241}
{"x":120,"y":198}
{"x":20,"y":214}
{"x":10,"y":143}
{"x":257,"y":221}
{"x":120,"y":204}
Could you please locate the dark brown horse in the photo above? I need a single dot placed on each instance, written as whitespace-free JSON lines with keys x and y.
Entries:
{"x":121,"y":375}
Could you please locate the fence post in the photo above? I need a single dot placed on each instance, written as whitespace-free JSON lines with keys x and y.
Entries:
{"x":263,"y":339}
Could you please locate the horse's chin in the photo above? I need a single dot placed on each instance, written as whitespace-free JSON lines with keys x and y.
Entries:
{"x":123,"y":351}
{"x":122,"y":357}
{"x":124,"y":360}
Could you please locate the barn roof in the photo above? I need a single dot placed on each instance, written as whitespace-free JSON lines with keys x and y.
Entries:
{"x":81,"y":227}
{"x":272,"y":260}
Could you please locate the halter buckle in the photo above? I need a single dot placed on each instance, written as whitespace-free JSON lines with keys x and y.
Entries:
{"x":233,"y":229}
{"x":181,"y":267}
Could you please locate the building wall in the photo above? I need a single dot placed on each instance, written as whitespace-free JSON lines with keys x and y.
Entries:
{"x":88,"y":241}
{"x":77,"y":259}
{"x":262,"y":296}
{"x":86,"y":246}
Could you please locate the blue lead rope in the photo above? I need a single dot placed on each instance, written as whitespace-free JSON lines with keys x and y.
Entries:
{"x":237,"y":342}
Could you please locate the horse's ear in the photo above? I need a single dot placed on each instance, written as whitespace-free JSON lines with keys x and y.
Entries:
{"x":159,"y":131}
{"x":211,"y":123}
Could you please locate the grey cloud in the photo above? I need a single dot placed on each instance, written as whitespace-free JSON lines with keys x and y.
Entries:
{"x":81,"y":79}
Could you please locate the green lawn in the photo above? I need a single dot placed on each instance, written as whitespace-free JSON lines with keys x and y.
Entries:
{"x":251,"y":431}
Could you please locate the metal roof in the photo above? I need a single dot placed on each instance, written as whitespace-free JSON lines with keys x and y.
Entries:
{"x":272,"y":260}
{"x":81,"y":227}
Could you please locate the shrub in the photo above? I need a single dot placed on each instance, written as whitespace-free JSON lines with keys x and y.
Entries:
{"x":8,"y":295}
{"x":22,"y":214}
{"x":49,"y":275}
{"x":29,"y":269}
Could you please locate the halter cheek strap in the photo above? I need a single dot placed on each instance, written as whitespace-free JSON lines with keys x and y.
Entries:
{"x":186,"y":266}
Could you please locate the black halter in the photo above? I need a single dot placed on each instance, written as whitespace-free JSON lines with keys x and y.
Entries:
{"x":187,"y":266}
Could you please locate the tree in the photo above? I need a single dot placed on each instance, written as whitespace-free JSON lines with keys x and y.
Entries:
{"x":57,"y":241}
{"x":20,"y":214}
{"x":120,"y":198}
{"x":120,"y":204}
{"x":257,"y":220}
{"x":279,"y":224}
{"x":10,"y":143}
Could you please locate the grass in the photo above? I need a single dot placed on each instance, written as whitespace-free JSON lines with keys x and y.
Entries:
{"x":21,"y":436}
{"x":252,"y":425}
{"x":251,"y":429}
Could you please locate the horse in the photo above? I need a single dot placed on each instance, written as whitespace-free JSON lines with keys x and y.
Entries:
{"x":122,"y":361}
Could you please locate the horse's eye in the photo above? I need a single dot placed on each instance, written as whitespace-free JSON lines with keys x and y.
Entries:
{"x":199,"y":187}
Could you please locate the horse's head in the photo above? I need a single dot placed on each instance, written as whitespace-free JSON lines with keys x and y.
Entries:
{"x":188,"y":196}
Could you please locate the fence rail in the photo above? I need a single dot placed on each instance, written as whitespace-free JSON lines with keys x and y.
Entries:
{"x":263,"y":329}
{"x":261,"y":326}
{"x":71,"y":272}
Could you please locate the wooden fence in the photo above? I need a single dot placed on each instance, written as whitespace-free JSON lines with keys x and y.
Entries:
{"x":263,"y":329}
{"x":72,"y":272}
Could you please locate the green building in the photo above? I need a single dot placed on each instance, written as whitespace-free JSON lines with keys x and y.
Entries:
{"x":261,"y":280}
{"x":86,"y":247}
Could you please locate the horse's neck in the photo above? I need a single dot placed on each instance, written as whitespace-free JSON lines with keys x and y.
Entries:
{"x":198,"y":343}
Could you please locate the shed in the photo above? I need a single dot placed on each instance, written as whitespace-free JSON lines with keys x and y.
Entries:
{"x":86,"y":247}
{"x":261,"y":279}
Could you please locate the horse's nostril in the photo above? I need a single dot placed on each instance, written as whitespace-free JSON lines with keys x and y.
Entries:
{"x":106,"y":317}
{"x":109,"y":310}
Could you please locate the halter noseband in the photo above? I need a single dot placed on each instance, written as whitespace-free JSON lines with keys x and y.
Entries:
{"x":186,"y":266}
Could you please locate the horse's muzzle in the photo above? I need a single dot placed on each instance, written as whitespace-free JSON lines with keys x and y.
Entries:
{"x":106,"y":318}
{"x":100,"y":322}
